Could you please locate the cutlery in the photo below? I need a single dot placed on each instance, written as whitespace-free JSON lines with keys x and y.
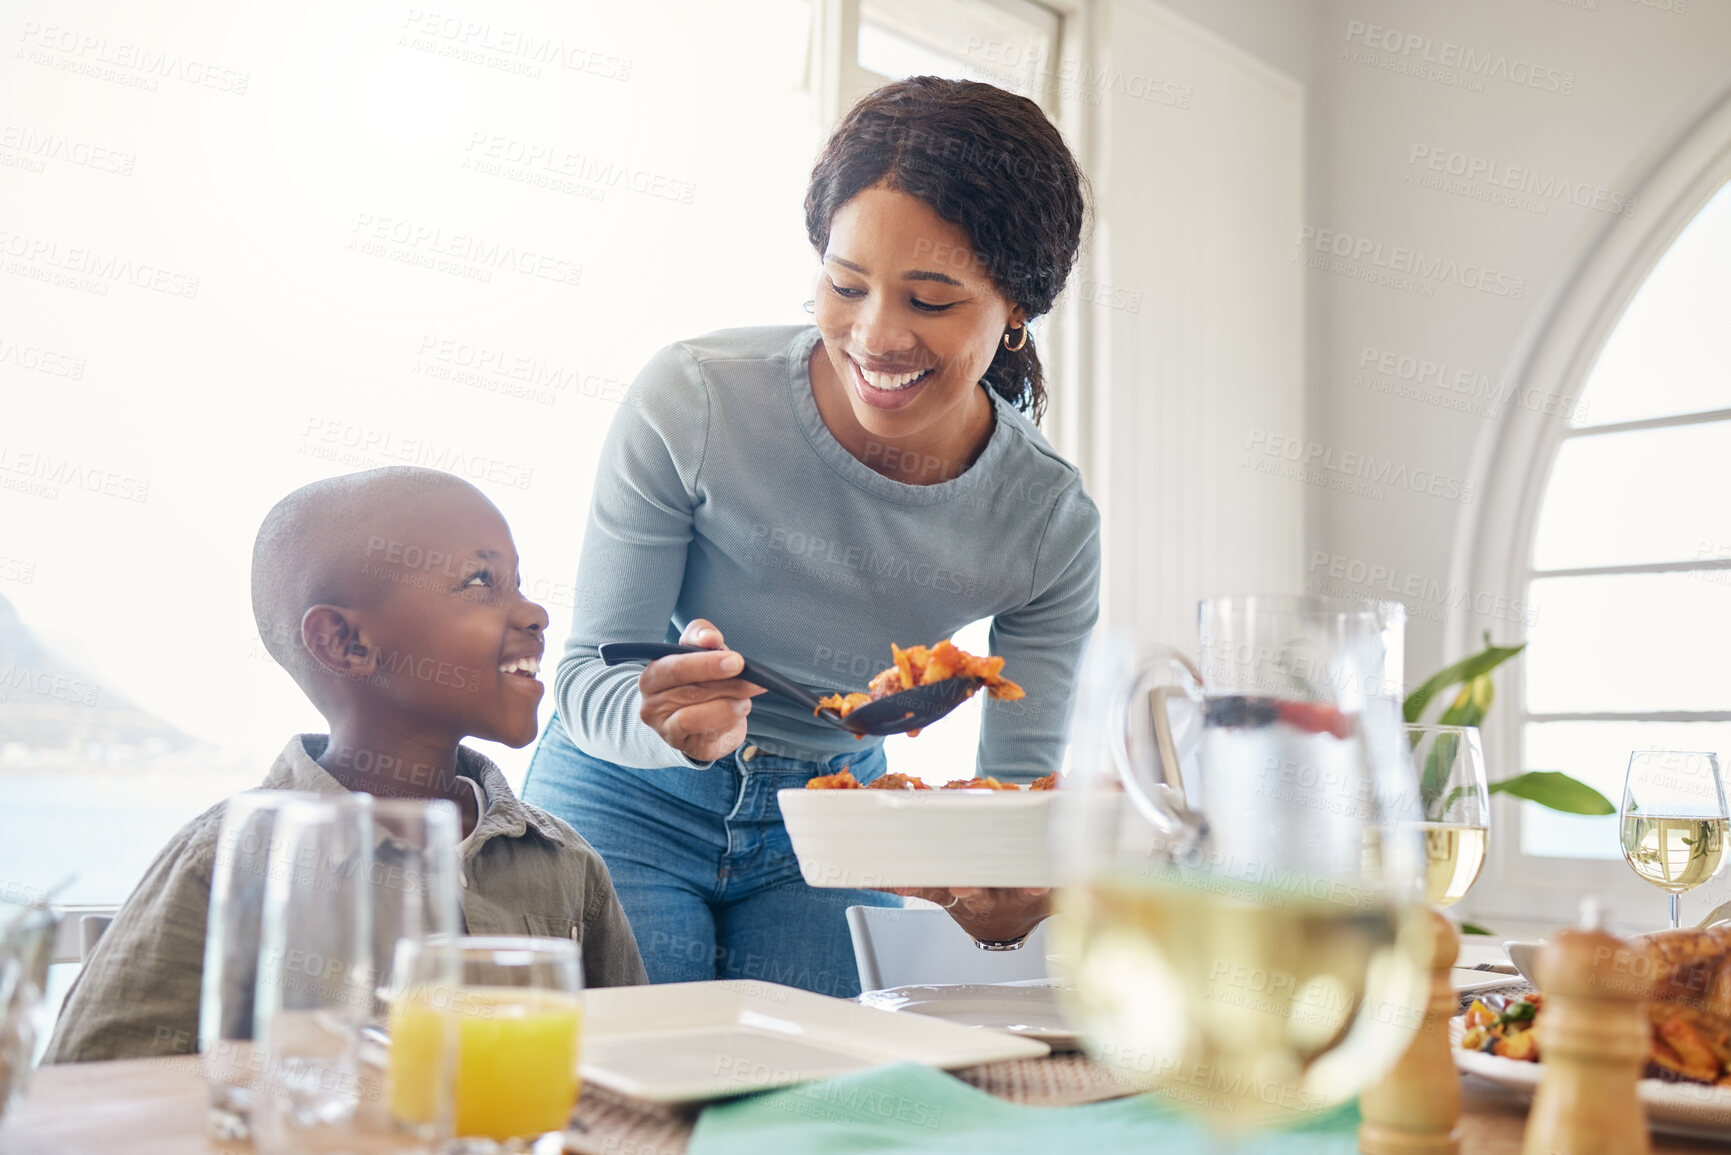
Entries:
{"x":892,"y":714}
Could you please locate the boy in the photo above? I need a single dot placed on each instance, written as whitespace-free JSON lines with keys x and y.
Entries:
{"x":391,"y":596}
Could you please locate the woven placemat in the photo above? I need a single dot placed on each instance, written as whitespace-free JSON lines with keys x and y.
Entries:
{"x":1061,"y":1080}
{"x":610,"y":1124}
{"x":1512,"y":991}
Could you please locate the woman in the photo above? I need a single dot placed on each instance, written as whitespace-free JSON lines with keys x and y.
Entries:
{"x":812,"y":495}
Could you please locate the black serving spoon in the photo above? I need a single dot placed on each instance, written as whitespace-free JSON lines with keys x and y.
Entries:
{"x":891,"y":714}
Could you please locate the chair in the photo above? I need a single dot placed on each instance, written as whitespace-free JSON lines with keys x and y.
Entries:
{"x":901,"y":946}
{"x":90,"y":928}
{"x":80,"y":927}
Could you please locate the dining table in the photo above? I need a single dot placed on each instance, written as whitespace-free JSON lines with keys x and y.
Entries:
{"x":157,"y":1107}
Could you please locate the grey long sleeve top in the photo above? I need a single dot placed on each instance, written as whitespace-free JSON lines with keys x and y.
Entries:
{"x":721,"y":494}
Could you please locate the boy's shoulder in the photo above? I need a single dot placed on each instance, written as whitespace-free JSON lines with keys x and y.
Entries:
{"x":193,"y":846}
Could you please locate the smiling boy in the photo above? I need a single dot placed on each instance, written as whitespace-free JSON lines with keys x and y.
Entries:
{"x":392,"y":597}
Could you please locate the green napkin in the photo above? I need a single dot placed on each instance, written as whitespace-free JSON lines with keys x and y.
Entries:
{"x":914,"y":1109}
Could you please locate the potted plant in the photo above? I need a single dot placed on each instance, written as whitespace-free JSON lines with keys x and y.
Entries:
{"x":1548,"y":788}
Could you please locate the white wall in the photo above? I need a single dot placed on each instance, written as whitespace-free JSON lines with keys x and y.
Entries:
{"x":1612,"y":85}
{"x":1635,"y":69}
{"x":1194,"y":316}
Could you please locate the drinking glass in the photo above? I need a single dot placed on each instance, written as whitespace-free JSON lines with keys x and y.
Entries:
{"x":1673,"y":820}
{"x":351,"y":878}
{"x":231,"y":950}
{"x":1457,"y":808}
{"x":314,"y":991}
{"x":416,"y":923}
{"x":516,"y":1013}
{"x":1241,"y":863}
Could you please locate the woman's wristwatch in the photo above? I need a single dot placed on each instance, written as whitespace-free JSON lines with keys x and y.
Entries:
{"x":1003,"y":944}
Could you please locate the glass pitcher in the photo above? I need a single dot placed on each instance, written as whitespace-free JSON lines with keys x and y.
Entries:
{"x":1243,"y":928}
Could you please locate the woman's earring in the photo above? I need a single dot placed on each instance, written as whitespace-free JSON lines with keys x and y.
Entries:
{"x":1017,"y":347}
{"x":810,"y":306}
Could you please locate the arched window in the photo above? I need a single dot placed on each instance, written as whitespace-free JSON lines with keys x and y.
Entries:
{"x":1611,"y":526}
{"x":1629,"y":594}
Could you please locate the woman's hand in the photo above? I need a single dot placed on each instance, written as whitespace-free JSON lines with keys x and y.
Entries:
{"x":988,"y":914}
{"x":694,"y":701}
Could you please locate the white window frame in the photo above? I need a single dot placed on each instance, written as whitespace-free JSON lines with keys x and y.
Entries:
{"x":839,"y":80}
{"x":1555,"y":355}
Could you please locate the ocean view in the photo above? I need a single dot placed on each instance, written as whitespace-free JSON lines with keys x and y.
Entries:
{"x":102,"y":826}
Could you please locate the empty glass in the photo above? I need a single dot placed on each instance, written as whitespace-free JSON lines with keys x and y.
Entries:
{"x":350,"y":878}
{"x":231,"y":950}
{"x":1673,"y":820}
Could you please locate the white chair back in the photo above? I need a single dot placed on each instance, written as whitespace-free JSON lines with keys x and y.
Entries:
{"x":903,"y":946}
{"x":80,"y":927}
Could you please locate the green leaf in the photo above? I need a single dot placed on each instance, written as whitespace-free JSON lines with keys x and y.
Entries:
{"x":1473,"y":928}
{"x":1521,"y":1012}
{"x":1464,"y":670}
{"x":1556,"y":791}
{"x":1471,"y":704}
{"x":1436,"y":766}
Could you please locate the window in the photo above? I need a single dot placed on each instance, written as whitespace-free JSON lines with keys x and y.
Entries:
{"x":1629,"y":586}
{"x":388,"y":238}
{"x":1009,"y":43}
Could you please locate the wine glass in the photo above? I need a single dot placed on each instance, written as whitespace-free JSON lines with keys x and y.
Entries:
{"x":515,"y":1015}
{"x":1457,"y":808}
{"x":1241,"y":864}
{"x":1673,"y":820}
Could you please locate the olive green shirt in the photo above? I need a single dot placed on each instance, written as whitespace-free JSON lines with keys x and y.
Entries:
{"x":523,"y":871}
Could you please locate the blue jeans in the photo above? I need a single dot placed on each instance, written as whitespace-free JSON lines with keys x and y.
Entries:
{"x":703,"y":866}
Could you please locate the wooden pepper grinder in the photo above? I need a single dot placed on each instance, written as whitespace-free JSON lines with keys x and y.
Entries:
{"x":1415,"y":1109}
{"x":1593,"y":1044}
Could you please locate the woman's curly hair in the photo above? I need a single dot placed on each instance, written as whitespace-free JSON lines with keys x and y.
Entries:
{"x":984,"y":159}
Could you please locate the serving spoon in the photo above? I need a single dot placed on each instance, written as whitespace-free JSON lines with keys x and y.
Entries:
{"x":892,"y":714}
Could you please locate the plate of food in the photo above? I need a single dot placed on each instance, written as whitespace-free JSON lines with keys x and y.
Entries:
{"x":1687,"y":1083}
{"x":897,"y":830}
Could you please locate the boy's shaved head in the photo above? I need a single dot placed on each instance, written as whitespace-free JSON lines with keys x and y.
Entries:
{"x":314,"y":546}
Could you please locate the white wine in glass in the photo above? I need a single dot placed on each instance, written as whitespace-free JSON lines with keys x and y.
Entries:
{"x":1450,"y":761}
{"x":1454,"y":855}
{"x":1674,"y":820}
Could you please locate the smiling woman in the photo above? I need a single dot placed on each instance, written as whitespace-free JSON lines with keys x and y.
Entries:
{"x":791,"y":491}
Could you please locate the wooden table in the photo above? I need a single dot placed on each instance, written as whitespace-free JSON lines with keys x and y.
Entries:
{"x":156,"y":1107}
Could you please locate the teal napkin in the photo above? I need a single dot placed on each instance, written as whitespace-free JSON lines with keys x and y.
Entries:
{"x":914,"y":1109}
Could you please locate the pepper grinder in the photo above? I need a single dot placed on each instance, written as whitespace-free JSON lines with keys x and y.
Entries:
{"x":1415,"y":1109}
{"x":1593,"y":1043}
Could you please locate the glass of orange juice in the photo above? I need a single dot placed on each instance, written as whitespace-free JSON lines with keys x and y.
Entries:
{"x":513,"y":1017}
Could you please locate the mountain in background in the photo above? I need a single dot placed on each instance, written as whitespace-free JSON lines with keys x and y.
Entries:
{"x":50,"y":709}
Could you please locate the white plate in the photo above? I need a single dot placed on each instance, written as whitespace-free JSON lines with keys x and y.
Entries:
{"x":859,"y":838}
{"x":1027,"y":1009}
{"x":1690,"y":1109}
{"x":687,"y":1042}
{"x":1469,"y":981}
